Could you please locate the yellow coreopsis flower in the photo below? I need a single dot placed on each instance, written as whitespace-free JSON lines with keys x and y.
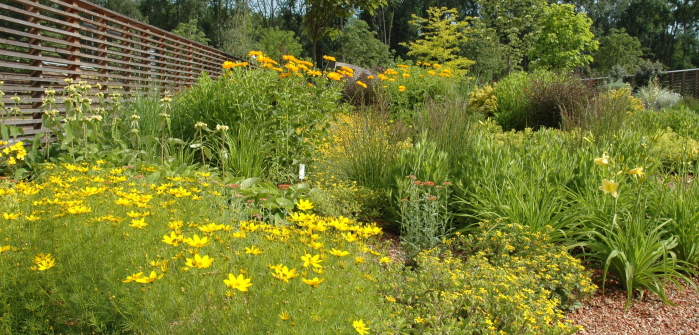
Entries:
{"x":174,"y":239}
{"x":329,"y":58}
{"x":334,"y":76}
{"x":283,"y":273}
{"x":11,"y":216}
{"x":5,"y":248}
{"x":239,"y":283}
{"x":285,"y":316}
{"x":313,"y":282}
{"x":385,"y":260}
{"x":360,"y":83}
{"x":140,"y":223}
{"x":609,"y":186}
{"x":133,"y":277}
{"x":199,"y":262}
{"x":309,"y":260}
{"x":401,"y":88}
{"x":197,"y":242}
{"x":253,"y":250}
{"x":147,"y":280}
{"x":44,"y":261}
{"x":360,"y":327}
{"x":228,"y":64}
{"x":338,"y":253}
{"x":304,"y":205}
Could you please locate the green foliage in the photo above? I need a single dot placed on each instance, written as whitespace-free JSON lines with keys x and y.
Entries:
{"x":442,"y":33}
{"x":320,"y":14}
{"x":359,"y":46}
{"x":494,"y":287}
{"x":276,"y":43}
{"x":646,"y":72}
{"x":565,"y":41}
{"x":278,"y":121}
{"x":656,"y":97}
{"x":620,"y":49}
{"x":513,"y":105}
{"x":517,"y":27}
{"x":190,"y":30}
{"x":424,"y":214}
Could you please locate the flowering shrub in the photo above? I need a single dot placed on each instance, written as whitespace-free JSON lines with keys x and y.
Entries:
{"x":496,"y":289}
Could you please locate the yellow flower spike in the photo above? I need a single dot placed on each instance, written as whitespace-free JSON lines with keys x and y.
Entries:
{"x":239,"y":283}
{"x":313,"y":282}
{"x":637,"y":171}
{"x":609,"y":187}
{"x":338,"y":253}
{"x":360,"y":327}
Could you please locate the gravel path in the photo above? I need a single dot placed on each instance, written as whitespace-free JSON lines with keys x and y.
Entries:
{"x":606,"y":315}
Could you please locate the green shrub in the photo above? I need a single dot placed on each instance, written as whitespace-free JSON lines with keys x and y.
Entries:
{"x":510,"y":281}
{"x":513,"y":105}
{"x":287,"y":114}
{"x":551,"y":95}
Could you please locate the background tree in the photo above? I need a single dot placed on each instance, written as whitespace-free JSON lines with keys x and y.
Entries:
{"x":359,"y":46}
{"x":618,"y":49}
{"x":191,"y":31}
{"x":441,"y":36}
{"x":565,"y":40}
{"x":276,"y":43}
{"x":321,"y":13}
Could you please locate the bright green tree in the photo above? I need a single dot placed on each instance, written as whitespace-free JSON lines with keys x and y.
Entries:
{"x":618,"y":48}
{"x":276,"y":43}
{"x":191,"y":31}
{"x":320,"y":15}
{"x":442,"y":34}
{"x":565,"y":40}
{"x":359,"y":46}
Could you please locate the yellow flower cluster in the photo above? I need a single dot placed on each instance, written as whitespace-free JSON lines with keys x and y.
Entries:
{"x":13,"y":153}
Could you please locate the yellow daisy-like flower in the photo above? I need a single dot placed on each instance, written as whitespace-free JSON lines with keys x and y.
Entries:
{"x":329,"y":58}
{"x":401,"y":88}
{"x":199,"y":262}
{"x":239,"y":283}
{"x":360,"y":327}
{"x":609,"y":187}
{"x":140,"y":223}
{"x":385,"y":260}
{"x":313,"y":282}
{"x":253,"y":250}
{"x":151,"y":278}
{"x":338,"y":253}
{"x":304,"y":205}
{"x":334,"y":76}
{"x":313,"y":261}
{"x":285,"y":316}
{"x":197,"y":242}
{"x":360,"y":83}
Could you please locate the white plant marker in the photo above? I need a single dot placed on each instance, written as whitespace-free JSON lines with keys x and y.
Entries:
{"x":302,"y":171}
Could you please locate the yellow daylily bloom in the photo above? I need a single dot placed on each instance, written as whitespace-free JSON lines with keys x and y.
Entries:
{"x":609,"y":186}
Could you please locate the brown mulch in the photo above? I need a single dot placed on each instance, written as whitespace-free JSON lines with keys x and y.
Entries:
{"x":605,"y":314}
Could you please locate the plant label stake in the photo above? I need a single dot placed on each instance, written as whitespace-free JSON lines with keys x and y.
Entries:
{"x":302,"y":171}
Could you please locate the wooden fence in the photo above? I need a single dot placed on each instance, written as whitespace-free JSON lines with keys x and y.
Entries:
{"x":43,"y":42}
{"x":685,"y":82}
